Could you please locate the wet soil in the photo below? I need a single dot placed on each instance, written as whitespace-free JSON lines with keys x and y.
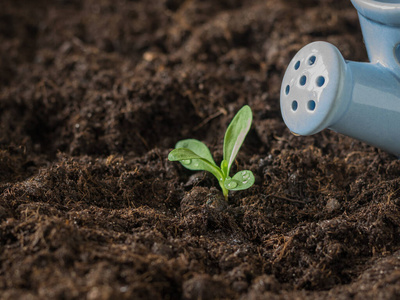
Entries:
{"x":93,"y":96}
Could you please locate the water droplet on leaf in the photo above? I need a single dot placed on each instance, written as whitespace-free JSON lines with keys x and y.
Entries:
{"x":187,"y":161}
{"x":245,"y":174}
{"x":232,"y":185}
{"x":246,"y":181}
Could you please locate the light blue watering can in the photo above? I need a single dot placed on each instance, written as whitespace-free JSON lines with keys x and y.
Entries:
{"x":361,"y":100}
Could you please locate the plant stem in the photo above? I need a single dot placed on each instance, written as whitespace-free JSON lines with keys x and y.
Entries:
{"x":225,"y":192}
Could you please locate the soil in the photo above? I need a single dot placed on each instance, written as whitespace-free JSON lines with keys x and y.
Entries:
{"x":94,"y":95}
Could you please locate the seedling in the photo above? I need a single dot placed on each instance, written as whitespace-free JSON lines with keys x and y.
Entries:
{"x":195,"y":155}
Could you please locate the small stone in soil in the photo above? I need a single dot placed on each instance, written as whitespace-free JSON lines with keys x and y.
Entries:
{"x":332,"y":205}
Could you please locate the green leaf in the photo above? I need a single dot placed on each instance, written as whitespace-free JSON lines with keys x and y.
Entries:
{"x":224,"y":168}
{"x":197,"y":147}
{"x":240,"y":181}
{"x":236,"y":133}
{"x":192,"y":161}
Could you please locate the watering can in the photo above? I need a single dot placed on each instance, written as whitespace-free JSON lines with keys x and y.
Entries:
{"x":321,"y":89}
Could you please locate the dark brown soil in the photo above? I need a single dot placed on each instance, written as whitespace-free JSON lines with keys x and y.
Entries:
{"x":93,"y":96}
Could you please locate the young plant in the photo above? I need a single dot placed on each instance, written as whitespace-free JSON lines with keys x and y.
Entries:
{"x":195,"y":155}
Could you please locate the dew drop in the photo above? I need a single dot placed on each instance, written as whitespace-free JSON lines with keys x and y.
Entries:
{"x":185,"y":145}
{"x":245,"y":174}
{"x":244,"y":182}
{"x":187,"y":161}
{"x":196,"y":165}
{"x":232,"y":184}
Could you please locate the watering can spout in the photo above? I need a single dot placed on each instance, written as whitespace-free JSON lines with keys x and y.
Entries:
{"x":362,"y":100}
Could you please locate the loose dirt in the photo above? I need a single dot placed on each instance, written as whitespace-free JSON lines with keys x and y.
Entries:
{"x":93,"y":96}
